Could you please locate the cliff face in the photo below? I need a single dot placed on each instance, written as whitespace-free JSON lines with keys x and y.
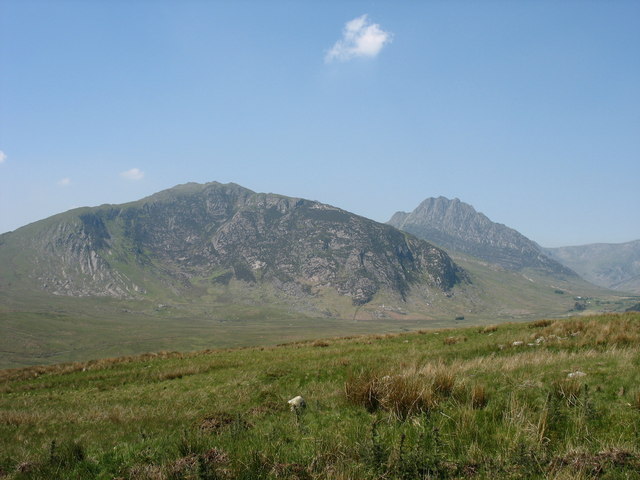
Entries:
{"x":219,"y":233}
{"x":456,"y":226}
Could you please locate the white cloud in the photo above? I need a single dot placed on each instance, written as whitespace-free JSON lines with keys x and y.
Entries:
{"x":360,"y":38}
{"x":64,"y":182}
{"x":133,"y":174}
{"x":3,"y":156}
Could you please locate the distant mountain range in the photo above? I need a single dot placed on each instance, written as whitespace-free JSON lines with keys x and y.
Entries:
{"x":615,"y":266}
{"x":202,"y":265}
{"x":457,"y":227}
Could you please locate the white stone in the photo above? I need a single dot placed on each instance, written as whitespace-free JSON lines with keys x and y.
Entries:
{"x":297,"y":403}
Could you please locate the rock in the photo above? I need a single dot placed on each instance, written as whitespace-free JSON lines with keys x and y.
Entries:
{"x":297,"y":403}
{"x":577,"y":374}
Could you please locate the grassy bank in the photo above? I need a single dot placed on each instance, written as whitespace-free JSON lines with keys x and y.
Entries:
{"x":548,"y":399}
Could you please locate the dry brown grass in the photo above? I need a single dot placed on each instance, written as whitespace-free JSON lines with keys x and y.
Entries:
{"x":443,"y":383}
{"x":401,"y":396}
{"x":183,"y":371}
{"x":146,"y":472}
{"x":27,"y":373}
{"x":20,"y":418}
{"x":540,"y":323}
{"x":488,"y":329}
{"x":538,"y":357}
{"x":619,"y":330}
{"x":479,"y":398}
{"x":412,"y":391}
{"x":568,"y":390}
{"x":454,"y":340}
{"x":595,"y":464}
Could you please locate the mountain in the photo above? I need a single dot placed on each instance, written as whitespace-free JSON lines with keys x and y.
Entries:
{"x":190,"y":239}
{"x":208,"y":266}
{"x":615,"y":266}
{"x":457,"y":227}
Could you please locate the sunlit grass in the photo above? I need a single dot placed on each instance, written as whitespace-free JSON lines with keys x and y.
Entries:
{"x":396,"y":406}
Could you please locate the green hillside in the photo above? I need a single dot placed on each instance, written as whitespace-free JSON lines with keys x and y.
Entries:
{"x":40,"y":329}
{"x":547,"y":399}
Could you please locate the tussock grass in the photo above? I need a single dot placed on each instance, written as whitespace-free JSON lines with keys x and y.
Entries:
{"x":488,"y":329}
{"x":401,"y":406}
{"x":479,"y":397}
{"x":568,"y":390}
{"x":411,"y":392}
{"x":454,"y":340}
{"x":400,"y":395}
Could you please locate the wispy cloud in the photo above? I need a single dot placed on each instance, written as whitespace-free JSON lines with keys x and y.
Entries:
{"x":133,"y":174}
{"x":3,"y":156}
{"x":360,"y":38}
{"x":64,"y":182}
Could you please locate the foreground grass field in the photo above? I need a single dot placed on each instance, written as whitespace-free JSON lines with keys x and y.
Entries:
{"x":548,"y":399}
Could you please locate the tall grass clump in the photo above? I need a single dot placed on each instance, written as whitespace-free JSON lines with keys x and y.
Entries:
{"x":400,"y":395}
{"x":410,"y":392}
{"x":568,"y":390}
{"x":479,"y":398}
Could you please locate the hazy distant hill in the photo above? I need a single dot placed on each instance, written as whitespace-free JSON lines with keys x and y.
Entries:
{"x":194,"y":236}
{"x":610,"y":265}
{"x":456,"y":226}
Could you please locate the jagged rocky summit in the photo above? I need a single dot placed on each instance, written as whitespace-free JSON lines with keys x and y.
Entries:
{"x":213,"y":234}
{"x":457,"y":227}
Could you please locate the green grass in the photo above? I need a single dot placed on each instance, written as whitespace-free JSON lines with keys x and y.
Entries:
{"x":462,"y":403}
{"x":37,"y":328}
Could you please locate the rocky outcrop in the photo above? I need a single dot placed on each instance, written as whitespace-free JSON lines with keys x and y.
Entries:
{"x":69,"y":260}
{"x":226,"y":232}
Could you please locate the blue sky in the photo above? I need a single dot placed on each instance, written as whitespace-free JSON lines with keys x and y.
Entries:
{"x":528,"y":110}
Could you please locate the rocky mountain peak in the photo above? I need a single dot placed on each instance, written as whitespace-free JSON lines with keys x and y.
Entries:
{"x":456,"y":226}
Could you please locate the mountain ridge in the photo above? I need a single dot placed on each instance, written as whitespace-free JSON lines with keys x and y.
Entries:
{"x":610,"y":265}
{"x":223,"y":232}
{"x":456,"y":226}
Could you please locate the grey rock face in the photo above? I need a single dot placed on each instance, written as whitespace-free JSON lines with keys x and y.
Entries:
{"x":456,"y":226}
{"x":225,"y":232}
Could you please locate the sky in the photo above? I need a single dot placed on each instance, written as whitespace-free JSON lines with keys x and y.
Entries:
{"x":527,"y":110}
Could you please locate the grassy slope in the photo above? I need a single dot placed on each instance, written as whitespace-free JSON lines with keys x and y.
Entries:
{"x":462,"y":403}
